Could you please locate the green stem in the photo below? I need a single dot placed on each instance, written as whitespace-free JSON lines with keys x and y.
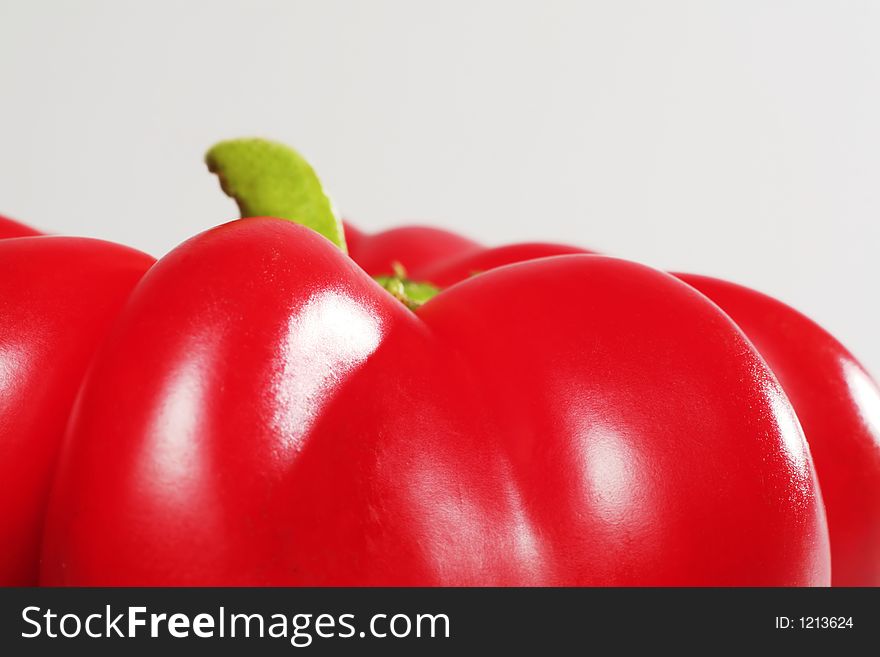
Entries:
{"x":268,"y":179}
{"x":411,"y":293}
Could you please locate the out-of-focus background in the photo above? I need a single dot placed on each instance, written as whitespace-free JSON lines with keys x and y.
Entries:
{"x":739,"y":139}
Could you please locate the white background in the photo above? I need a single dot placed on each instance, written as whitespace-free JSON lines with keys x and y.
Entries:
{"x":739,"y":139}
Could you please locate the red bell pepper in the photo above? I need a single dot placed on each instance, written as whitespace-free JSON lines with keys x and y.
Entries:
{"x":836,"y":401}
{"x":263,"y":412}
{"x":58,"y":296}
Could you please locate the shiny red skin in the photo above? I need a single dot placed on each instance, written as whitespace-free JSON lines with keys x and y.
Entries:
{"x":57,"y":297}
{"x":11,"y":228}
{"x":839,"y":409}
{"x":411,"y":246}
{"x":264,"y":413}
{"x":836,"y":401}
{"x":437,"y":256}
